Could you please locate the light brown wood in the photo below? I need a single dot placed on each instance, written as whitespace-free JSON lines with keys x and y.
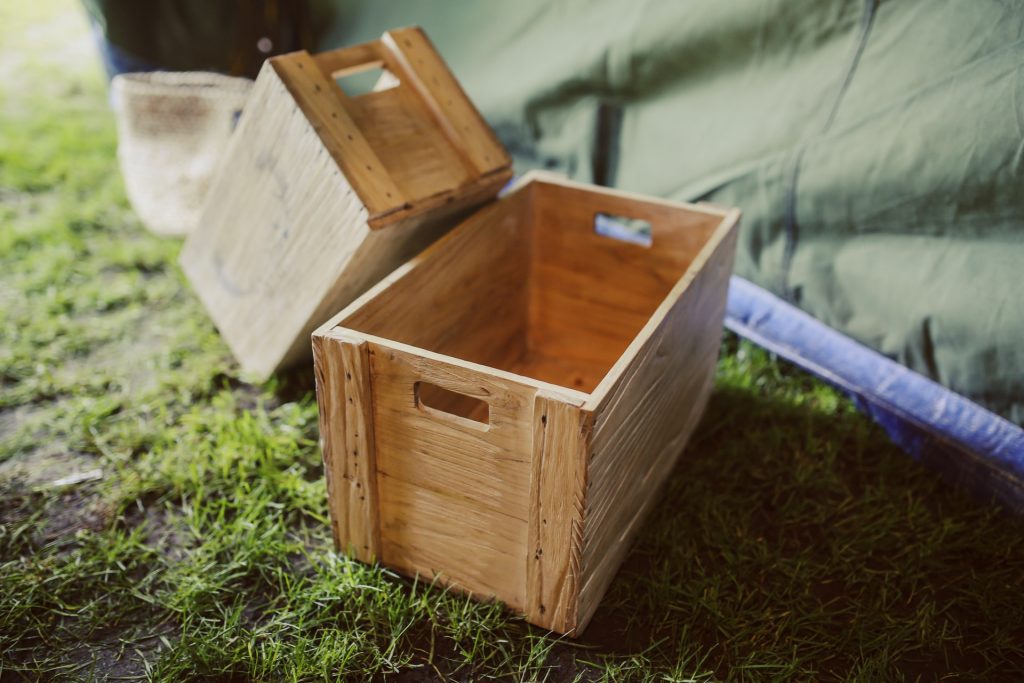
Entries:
{"x":327,"y":109}
{"x":533,"y":384}
{"x":349,"y":451}
{"x":576,"y":314}
{"x":351,"y":57}
{"x":557,"y":493}
{"x":454,"y":493}
{"x":416,"y":59}
{"x":320,"y":194}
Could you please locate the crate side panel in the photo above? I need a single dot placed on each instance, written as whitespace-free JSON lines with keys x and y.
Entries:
{"x":487,"y":464}
{"x":429,"y":535}
{"x":644,"y":421}
{"x":454,"y":493}
{"x":279,"y":225}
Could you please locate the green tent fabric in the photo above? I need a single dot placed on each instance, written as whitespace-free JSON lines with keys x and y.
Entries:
{"x":876,"y":148}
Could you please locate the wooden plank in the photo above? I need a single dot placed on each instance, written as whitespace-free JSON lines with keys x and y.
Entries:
{"x":334,"y":63}
{"x":571,"y":395}
{"x":434,"y":536}
{"x":320,"y":100}
{"x":480,"y":462}
{"x":557,"y":491}
{"x":342,"y":372}
{"x":646,"y":409}
{"x":409,"y":142}
{"x":445,"y":203}
{"x":419,"y":63}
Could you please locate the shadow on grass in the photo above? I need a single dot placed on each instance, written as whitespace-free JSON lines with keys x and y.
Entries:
{"x":795,"y":541}
{"x":296,"y":382}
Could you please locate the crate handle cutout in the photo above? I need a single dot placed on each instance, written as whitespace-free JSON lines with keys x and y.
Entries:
{"x":623,"y":228}
{"x":365,"y":78}
{"x":451,"y":405}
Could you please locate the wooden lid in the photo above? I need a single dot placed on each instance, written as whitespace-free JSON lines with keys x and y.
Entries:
{"x":413,"y":144}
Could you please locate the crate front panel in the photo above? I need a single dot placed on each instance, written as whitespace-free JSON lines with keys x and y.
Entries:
{"x":539,"y":507}
{"x":453,"y":492}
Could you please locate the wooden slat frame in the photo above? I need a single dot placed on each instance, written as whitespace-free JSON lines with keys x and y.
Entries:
{"x":597,"y":460}
{"x":318,"y":98}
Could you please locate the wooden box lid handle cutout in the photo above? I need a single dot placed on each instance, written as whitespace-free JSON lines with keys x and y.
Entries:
{"x":410,"y":57}
{"x":345,"y":60}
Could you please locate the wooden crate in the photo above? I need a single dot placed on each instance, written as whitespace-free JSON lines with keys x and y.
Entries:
{"x":501,"y":411}
{"x":321,"y":193}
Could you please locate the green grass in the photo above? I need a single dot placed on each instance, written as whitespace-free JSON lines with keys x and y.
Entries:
{"x":792,"y":542}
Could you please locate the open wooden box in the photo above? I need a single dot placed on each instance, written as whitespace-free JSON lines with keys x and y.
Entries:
{"x":501,"y":411}
{"x":321,"y":192}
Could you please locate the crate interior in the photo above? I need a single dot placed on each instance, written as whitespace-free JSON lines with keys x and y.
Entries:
{"x":552,"y":282}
